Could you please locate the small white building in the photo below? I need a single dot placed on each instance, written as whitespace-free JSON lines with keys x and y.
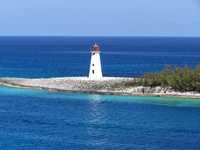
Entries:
{"x":95,"y":72}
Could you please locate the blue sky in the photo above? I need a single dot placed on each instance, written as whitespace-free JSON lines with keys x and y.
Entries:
{"x":100,"y":17}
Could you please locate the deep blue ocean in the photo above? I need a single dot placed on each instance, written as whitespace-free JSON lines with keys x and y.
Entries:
{"x":70,"y":56}
{"x":41,"y":120}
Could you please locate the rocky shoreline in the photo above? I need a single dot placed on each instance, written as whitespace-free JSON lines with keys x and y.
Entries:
{"x":109,"y":85}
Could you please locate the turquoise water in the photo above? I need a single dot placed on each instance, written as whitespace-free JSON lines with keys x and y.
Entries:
{"x":37,"y":119}
{"x":167,"y":101}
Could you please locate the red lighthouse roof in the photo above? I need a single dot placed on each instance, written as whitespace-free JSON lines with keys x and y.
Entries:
{"x":96,"y":47}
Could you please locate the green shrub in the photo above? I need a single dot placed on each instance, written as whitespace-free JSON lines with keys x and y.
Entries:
{"x":180,"y":79}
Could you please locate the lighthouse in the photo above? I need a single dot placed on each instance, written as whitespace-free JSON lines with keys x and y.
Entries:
{"x":95,"y":72}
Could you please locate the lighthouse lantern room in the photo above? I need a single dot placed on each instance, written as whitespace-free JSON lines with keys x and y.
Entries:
{"x":95,"y":72}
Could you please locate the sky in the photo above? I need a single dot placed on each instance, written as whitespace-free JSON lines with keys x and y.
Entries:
{"x":100,"y":18}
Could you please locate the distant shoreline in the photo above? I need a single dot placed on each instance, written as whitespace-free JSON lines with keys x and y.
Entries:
{"x":107,"y":86}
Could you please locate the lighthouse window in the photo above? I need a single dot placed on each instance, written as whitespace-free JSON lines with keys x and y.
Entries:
{"x":92,"y":64}
{"x":93,"y":71}
{"x":93,"y":53}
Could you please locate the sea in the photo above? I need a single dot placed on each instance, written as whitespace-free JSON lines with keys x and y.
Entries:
{"x":32,"y":119}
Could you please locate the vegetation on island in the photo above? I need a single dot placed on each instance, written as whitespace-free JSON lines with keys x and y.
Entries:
{"x":180,"y":79}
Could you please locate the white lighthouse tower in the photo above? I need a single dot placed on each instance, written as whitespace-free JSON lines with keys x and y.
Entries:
{"x":95,"y":72}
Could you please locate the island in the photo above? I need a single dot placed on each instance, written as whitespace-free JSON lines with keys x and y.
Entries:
{"x":172,"y":81}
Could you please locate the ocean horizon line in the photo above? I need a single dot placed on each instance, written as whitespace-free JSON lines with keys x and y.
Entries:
{"x":94,"y":36}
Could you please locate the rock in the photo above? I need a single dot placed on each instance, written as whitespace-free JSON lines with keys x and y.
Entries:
{"x":109,"y":85}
